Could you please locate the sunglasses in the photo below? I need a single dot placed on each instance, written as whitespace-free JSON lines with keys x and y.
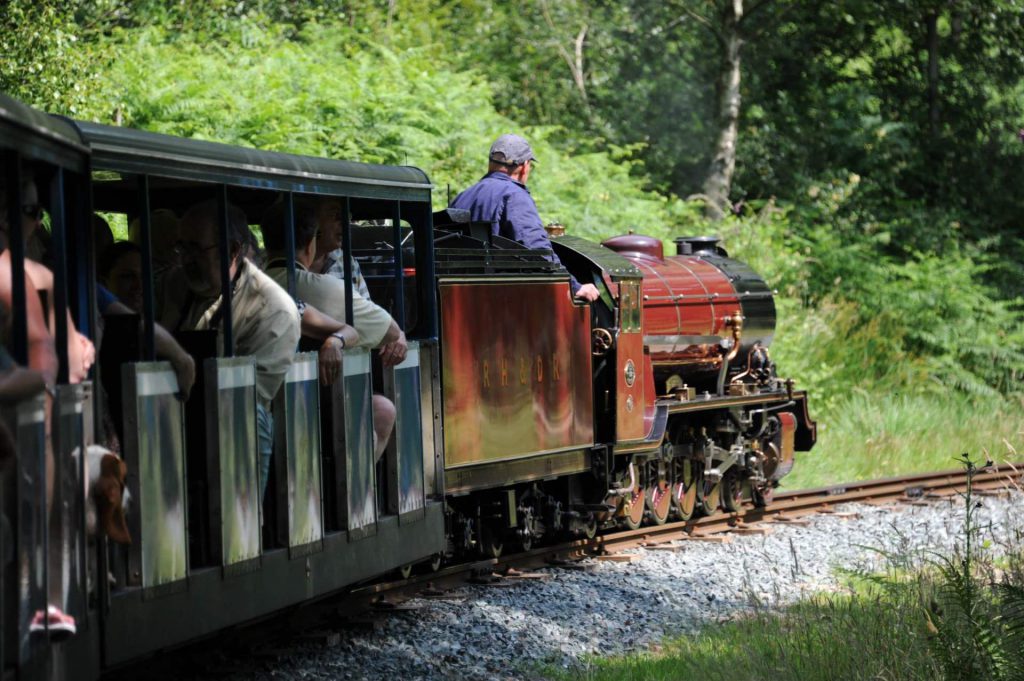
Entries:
{"x":33,"y":211}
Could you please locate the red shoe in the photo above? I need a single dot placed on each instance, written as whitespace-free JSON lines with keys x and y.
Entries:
{"x":59,"y":625}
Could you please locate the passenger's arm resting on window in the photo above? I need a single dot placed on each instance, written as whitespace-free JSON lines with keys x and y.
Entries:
{"x":167,"y":348}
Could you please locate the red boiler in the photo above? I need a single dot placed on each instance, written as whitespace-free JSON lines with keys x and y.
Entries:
{"x":698,"y":305}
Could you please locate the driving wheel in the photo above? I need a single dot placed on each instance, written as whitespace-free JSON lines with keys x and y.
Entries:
{"x":684,"y":488}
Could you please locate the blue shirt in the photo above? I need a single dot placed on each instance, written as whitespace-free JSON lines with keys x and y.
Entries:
{"x":508,"y":206}
{"x":104,"y":298}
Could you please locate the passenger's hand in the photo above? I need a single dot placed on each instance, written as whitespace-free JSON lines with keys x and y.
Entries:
{"x":185,"y":370}
{"x":394,"y":352}
{"x":80,"y":362}
{"x":88,"y":352}
{"x":588,"y":292}
{"x":330,"y":360}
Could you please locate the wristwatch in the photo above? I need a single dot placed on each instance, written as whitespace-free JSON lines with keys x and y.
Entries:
{"x":337,"y":334}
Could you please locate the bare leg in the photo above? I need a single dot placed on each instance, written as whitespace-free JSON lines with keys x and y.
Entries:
{"x":383,"y":423}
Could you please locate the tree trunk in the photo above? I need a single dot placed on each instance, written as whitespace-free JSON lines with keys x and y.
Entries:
{"x":719,"y":179}
{"x":933,"y":74}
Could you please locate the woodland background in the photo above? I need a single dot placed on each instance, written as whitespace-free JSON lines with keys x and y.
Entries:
{"x":866,"y":156}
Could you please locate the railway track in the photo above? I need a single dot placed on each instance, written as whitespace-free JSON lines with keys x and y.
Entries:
{"x":368,"y":605}
{"x":786,"y":507}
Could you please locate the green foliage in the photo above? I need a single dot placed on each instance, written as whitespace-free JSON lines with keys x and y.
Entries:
{"x":316,"y":94}
{"x":49,"y":60}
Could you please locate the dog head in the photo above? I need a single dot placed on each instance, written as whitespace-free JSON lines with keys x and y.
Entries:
{"x":111,"y":498}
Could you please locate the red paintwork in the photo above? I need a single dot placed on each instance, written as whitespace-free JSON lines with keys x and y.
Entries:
{"x":629,"y":423}
{"x":517,"y":370}
{"x":636,"y":245}
{"x":680,"y":330}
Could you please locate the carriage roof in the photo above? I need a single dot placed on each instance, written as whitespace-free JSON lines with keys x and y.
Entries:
{"x":39,"y":136}
{"x":126,"y":150}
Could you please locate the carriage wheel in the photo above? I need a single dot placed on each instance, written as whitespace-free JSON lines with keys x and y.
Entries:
{"x":684,"y":488}
{"x":732,"y":491}
{"x":405,"y":572}
{"x":658,"y":498}
{"x":491,"y":544}
{"x":590,"y":527}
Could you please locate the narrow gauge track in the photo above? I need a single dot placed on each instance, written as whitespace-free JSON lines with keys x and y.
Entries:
{"x":785,"y":507}
{"x":364,"y":605}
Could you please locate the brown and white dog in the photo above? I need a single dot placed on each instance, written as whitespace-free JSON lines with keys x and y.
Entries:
{"x":106,"y":497}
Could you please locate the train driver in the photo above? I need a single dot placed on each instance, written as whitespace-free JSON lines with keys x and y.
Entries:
{"x":502,"y":199}
{"x":264,"y":318}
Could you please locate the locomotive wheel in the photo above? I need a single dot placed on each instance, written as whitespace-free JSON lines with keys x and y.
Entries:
{"x":732,"y":491}
{"x":590,"y":527}
{"x":633,"y":509}
{"x":684,"y":489}
{"x":762,"y":495}
{"x":708,"y":495}
{"x":658,"y":499}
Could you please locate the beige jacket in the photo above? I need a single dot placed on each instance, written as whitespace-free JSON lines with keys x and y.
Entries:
{"x":265,"y":322}
{"x":327,"y":294}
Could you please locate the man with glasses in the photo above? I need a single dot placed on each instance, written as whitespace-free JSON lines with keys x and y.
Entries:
{"x":264,"y":318}
{"x":502,"y":199}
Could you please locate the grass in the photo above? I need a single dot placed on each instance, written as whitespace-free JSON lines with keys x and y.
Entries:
{"x":871,"y":436}
{"x":956,"y":617}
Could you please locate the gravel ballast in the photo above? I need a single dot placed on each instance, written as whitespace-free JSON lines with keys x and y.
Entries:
{"x":483,"y":632}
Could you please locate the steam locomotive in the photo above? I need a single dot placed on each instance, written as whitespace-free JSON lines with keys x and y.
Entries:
{"x":522,"y":414}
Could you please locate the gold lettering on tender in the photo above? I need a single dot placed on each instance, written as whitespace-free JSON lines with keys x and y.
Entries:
{"x":540,"y":369}
{"x":504,"y":372}
{"x":524,"y":371}
{"x":487,"y":374}
{"x":555,"y":375}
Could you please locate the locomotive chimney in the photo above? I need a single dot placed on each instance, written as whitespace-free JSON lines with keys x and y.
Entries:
{"x":695,"y":245}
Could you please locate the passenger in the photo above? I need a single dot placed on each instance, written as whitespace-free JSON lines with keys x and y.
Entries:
{"x":42,"y":357}
{"x":120,"y":293}
{"x":331,"y":262}
{"x":329,"y":256}
{"x":374,"y":325}
{"x":80,"y":350}
{"x":264,"y":318}
{"x":502,"y":199}
{"x":163,"y":236}
{"x":102,"y":236}
{"x":164,"y":259}
{"x":120,"y":271}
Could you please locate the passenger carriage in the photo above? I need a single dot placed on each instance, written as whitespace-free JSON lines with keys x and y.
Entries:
{"x":205,"y":553}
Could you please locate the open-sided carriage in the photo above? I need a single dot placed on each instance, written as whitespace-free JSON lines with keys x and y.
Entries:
{"x":205,"y":553}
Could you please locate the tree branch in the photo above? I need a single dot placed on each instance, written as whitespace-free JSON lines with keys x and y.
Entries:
{"x":706,"y":23}
{"x":574,"y":61}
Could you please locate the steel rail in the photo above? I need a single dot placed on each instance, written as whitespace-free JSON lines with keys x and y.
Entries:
{"x":786,"y":505}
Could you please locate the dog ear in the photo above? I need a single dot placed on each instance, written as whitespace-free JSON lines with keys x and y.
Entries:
{"x":108,"y":497}
{"x":123,"y":471}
